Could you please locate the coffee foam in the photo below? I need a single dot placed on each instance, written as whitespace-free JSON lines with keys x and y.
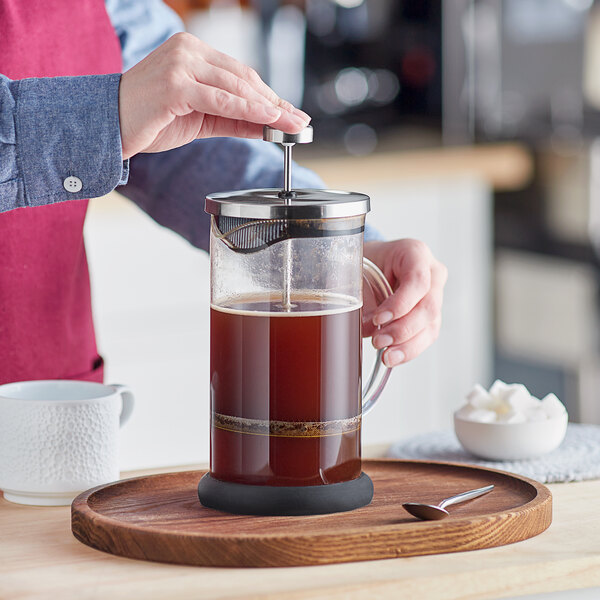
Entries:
{"x":265,"y":303}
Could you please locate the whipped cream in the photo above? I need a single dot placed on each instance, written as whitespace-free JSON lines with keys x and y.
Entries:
{"x":509,"y":403}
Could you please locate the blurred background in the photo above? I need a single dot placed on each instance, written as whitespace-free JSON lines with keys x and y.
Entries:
{"x":473,"y":126}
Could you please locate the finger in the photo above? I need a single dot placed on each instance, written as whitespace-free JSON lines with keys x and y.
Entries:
{"x":221,"y":103}
{"x":403,"y":329}
{"x":414,"y":275}
{"x":222,"y":127}
{"x":224,"y":61}
{"x":289,"y":123}
{"x":222,"y":79}
{"x":210,"y":74}
{"x":425,"y":312}
{"x":413,"y":286}
{"x":401,"y":353}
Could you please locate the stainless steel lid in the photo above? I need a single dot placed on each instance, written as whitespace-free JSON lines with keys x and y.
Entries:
{"x":304,"y":204}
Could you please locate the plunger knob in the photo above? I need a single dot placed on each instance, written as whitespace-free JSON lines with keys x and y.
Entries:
{"x":287,"y":140}
{"x":280,"y":137}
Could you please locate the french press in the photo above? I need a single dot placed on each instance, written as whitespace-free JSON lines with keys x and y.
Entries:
{"x":287,"y":273}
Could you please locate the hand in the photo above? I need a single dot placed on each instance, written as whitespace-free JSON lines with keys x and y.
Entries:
{"x":186,"y":90}
{"x":410,"y":319}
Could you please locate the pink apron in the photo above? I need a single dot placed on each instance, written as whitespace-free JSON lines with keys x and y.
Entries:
{"x":46,"y":326}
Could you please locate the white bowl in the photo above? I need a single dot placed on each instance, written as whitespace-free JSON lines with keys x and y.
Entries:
{"x":511,"y":441}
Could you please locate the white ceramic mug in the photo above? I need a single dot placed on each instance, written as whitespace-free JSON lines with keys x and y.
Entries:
{"x":59,"y":438}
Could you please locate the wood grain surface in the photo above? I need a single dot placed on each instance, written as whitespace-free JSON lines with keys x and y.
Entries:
{"x":159,"y":518}
{"x":41,"y":559}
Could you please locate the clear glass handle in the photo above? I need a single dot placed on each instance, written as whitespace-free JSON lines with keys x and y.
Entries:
{"x":380,"y":373}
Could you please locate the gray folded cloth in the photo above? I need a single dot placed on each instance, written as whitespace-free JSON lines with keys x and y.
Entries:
{"x":576,"y":459}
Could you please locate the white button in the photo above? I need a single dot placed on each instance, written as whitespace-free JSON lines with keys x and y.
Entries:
{"x":72,"y":184}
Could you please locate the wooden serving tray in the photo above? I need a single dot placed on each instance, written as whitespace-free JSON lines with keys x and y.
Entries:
{"x":159,"y":518}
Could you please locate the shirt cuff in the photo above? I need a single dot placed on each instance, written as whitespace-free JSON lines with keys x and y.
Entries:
{"x":68,"y":139}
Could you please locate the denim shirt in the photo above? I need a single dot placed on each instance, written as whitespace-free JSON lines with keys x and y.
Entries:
{"x":58,"y":127}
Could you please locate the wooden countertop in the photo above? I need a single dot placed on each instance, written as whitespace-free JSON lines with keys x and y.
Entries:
{"x":505,"y":167}
{"x":39,"y":558}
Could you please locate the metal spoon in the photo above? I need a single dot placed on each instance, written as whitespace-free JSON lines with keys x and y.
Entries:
{"x":430,"y":512}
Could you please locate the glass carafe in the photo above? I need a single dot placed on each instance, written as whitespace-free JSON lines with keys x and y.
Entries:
{"x":287,"y":279}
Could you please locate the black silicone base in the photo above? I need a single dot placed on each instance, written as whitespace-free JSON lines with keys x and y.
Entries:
{"x":265,"y":500}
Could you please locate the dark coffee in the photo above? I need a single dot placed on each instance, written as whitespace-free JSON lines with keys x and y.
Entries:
{"x":286,"y":391}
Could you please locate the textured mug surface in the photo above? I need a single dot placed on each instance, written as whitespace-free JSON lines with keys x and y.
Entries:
{"x":59,"y":438}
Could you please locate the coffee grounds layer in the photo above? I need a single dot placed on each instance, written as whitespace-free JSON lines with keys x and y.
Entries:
{"x":311,"y":429}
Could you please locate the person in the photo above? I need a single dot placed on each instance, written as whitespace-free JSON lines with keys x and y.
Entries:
{"x":177,"y":124}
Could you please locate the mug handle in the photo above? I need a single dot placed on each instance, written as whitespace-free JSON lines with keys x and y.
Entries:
{"x":127,"y":398}
{"x":380,"y":373}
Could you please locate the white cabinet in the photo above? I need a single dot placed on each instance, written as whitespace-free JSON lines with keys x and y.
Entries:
{"x":453,"y":216}
{"x":150,"y":294}
{"x":151,"y":299}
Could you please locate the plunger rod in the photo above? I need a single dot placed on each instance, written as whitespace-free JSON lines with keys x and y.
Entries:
{"x":287,"y":251}
{"x":287,"y":140}
{"x":287,"y":169}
